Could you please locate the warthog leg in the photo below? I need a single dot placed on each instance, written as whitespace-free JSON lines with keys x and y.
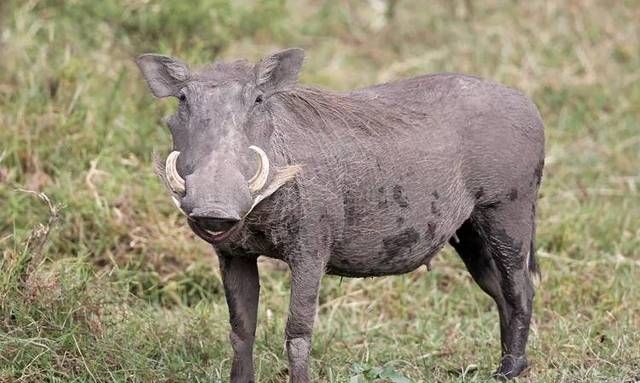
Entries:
{"x":242,"y":288}
{"x":306,"y":275}
{"x":494,"y":245}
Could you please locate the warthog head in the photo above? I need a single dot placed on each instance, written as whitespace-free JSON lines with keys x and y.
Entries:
{"x":219,"y":168}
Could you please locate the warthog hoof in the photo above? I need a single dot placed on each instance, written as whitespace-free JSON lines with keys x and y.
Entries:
{"x":510,"y":367}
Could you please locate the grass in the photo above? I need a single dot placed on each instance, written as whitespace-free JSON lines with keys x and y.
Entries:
{"x":100,"y":280}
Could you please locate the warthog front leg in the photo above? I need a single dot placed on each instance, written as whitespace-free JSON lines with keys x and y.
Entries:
{"x":242,"y":288}
{"x":305,"y":284}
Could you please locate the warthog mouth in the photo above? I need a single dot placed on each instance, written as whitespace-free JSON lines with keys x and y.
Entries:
{"x":176,"y":186}
{"x":213,"y":237}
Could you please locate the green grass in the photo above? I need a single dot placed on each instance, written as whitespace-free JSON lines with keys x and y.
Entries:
{"x":105,"y":282}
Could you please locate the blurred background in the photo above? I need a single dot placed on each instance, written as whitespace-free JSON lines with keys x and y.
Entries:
{"x":101,"y":280}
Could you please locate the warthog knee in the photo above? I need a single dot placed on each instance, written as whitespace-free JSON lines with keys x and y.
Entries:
{"x":240,"y":344}
{"x":298,"y":350}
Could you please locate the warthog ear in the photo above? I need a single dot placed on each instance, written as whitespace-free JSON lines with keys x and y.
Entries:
{"x":165,"y":75}
{"x":279,"y":70}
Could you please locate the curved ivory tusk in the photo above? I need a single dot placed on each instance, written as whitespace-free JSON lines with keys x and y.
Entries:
{"x":177,"y":203}
{"x":257,"y":182}
{"x":176,"y":183}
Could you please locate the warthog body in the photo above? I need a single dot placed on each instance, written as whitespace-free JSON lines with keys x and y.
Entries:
{"x":363,"y":183}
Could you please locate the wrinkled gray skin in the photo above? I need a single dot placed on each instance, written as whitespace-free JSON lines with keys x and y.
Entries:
{"x":390,"y":174}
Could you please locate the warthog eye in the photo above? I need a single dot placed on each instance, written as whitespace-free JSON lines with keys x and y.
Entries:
{"x":182,"y":97}
{"x":259,"y":99}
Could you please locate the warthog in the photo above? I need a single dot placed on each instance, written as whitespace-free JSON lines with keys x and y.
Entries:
{"x":362,"y":183}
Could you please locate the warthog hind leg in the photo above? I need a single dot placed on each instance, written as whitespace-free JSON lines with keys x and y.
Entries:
{"x":495,"y":245}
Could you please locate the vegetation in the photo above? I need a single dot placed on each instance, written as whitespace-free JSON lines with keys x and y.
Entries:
{"x":101,"y":280}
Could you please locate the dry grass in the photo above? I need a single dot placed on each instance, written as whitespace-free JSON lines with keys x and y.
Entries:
{"x":121,"y":291}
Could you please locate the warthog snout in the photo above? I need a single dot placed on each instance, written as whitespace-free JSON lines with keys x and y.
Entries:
{"x":216,"y":196}
{"x":177,"y":184}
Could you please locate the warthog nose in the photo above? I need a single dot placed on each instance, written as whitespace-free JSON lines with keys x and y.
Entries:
{"x":214,"y":219}
{"x":215,"y":224}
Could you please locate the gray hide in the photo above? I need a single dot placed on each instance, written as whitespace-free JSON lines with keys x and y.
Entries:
{"x":389,"y":175}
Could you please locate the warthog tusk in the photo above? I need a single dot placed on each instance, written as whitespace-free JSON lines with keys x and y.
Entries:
{"x":176,"y":183}
{"x":177,"y":203}
{"x":257,"y":182}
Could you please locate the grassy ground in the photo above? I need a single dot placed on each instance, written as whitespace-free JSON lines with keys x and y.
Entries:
{"x":101,"y":281}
